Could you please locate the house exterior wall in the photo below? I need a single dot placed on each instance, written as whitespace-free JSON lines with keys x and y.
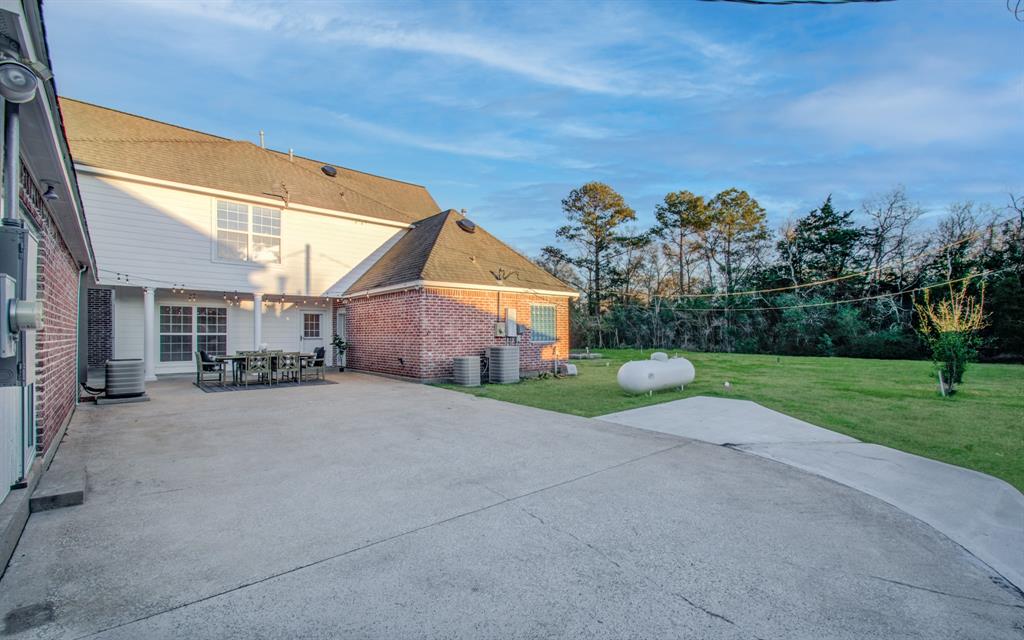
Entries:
{"x":100,"y":326}
{"x":416,"y":333}
{"x":161,"y":236}
{"x":56,"y":343}
{"x":281,"y":324}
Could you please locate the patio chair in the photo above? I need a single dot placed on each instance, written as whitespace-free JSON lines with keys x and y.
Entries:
{"x":288,"y":366}
{"x":314,"y":369}
{"x":258,"y":365}
{"x":207,"y":366}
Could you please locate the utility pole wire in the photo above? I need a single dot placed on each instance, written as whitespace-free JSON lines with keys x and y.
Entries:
{"x":778,"y":3}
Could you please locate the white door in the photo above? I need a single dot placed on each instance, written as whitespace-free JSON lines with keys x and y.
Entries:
{"x":314,"y":330}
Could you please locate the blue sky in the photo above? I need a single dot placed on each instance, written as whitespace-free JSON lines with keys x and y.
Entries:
{"x":501,"y":109}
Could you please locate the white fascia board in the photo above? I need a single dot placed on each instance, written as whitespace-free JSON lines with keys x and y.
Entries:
{"x":421,"y":284}
{"x":273,"y":202}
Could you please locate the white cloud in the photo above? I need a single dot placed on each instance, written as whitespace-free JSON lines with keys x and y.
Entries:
{"x":569,"y":57}
{"x":489,"y":145}
{"x":896,"y":110}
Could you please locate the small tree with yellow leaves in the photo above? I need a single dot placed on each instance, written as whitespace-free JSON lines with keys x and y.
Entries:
{"x":950,"y":327}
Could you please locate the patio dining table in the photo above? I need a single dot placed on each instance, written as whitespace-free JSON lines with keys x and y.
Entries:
{"x":237,"y":359}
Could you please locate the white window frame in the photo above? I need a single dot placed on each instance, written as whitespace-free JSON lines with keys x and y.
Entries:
{"x":320,"y":324}
{"x":554,"y":323}
{"x":253,"y":233}
{"x":194,"y":307}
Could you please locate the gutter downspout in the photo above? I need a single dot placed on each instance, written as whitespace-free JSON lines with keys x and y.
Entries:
{"x":12,"y":161}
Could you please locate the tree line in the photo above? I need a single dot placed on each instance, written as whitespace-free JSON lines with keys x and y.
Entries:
{"x":710,"y":275}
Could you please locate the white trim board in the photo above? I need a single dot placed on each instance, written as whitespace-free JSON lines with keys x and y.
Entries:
{"x":232,"y":195}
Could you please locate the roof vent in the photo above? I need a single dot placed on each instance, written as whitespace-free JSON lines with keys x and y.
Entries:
{"x":467,"y":225}
{"x":329,"y":170}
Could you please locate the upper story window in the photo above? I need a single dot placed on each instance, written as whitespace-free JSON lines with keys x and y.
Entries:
{"x":248,"y":234}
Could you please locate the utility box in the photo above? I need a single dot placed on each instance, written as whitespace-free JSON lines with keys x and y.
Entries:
{"x":511,"y":328}
{"x":12,"y":254}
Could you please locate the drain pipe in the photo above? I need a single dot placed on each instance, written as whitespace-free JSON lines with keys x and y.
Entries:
{"x":12,"y":161}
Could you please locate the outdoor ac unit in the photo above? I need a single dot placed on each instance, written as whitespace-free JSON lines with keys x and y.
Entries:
{"x":467,"y":371}
{"x":504,"y":364}
{"x":125,"y":378}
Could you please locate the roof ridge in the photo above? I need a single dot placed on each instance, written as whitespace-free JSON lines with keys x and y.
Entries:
{"x":135,"y":115}
{"x":444,"y":213}
{"x":339,"y":166}
{"x":164,"y":140}
{"x":276,"y":154}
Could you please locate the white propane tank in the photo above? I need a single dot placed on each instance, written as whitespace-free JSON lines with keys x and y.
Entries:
{"x":641,"y":376}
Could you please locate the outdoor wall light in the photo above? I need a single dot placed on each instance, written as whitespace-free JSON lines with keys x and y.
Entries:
{"x":17,"y":82}
{"x":51,"y":193}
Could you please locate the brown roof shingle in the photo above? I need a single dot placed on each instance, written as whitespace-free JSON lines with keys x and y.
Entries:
{"x":118,"y":141}
{"x":438,"y":250}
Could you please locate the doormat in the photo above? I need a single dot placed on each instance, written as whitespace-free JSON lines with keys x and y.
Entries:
{"x":213,"y":387}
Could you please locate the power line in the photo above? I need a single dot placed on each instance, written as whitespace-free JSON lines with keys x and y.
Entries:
{"x":847,"y":301}
{"x":815,"y":283}
{"x":793,"y":2}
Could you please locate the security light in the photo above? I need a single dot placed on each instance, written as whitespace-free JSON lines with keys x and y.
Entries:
{"x":17,"y":82}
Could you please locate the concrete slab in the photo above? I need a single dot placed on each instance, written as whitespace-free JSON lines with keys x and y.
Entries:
{"x":723,"y":421}
{"x":63,"y":483}
{"x":984,"y":514}
{"x":379,"y":509}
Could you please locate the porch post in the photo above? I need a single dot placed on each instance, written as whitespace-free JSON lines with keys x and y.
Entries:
{"x":257,"y":320}
{"x":149,"y":332}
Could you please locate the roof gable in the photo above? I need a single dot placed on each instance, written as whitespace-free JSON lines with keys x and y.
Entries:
{"x":438,"y":250}
{"x":110,"y":139}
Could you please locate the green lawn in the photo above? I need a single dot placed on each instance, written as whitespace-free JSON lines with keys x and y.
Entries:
{"x":889,"y":402}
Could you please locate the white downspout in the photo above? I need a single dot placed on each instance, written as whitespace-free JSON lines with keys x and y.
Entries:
{"x":149,"y":332}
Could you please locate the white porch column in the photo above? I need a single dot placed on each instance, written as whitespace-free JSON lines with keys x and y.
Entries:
{"x":149,"y":332}
{"x":257,"y":320}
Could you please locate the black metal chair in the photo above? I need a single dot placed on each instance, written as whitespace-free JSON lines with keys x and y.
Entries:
{"x":206,"y":365}
{"x":317,"y":365}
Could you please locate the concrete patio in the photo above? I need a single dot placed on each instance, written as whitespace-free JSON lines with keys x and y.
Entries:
{"x":381,"y":509}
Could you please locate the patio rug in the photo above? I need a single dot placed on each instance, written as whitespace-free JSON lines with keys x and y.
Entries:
{"x":216,"y":388}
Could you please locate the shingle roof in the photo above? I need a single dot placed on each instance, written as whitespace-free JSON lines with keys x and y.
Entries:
{"x":438,"y":250}
{"x":118,"y":141}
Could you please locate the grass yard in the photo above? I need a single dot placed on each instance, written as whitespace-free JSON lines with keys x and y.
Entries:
{"x":889,"y":402}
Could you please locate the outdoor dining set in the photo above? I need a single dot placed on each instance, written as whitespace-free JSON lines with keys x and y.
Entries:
{"x":267,"y":367}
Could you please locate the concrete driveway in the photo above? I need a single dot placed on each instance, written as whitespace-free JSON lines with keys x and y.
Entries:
{"x":381,"y":509}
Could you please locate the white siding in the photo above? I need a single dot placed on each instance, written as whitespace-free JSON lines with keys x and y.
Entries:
{"x":128,"y":319}
{"x":162,"y":236}
{"x":282,"y":325}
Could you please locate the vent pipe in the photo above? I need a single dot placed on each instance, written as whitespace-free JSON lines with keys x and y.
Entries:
{"x":262,"y":145}
{"x":291,"y":155}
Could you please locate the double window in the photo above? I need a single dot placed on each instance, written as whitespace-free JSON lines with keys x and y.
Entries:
{"x":182,"y":326}
{"x":248,"y":234}
{"x":542,"y":323}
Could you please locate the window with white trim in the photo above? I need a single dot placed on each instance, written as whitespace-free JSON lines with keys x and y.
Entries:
{"x":311,"y":325}
{"x":182,"y":326}
{"x":212,"y":330}
{"x":248,"y":236}
{"x":542,"y":323}
{"x":175,"y":333}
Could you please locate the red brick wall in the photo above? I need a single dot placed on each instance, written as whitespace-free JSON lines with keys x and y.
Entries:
{"x":426,"y":328}
{"x":57,"y":341}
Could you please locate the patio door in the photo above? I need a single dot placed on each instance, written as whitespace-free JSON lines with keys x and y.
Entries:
{"x":314,"y":330}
